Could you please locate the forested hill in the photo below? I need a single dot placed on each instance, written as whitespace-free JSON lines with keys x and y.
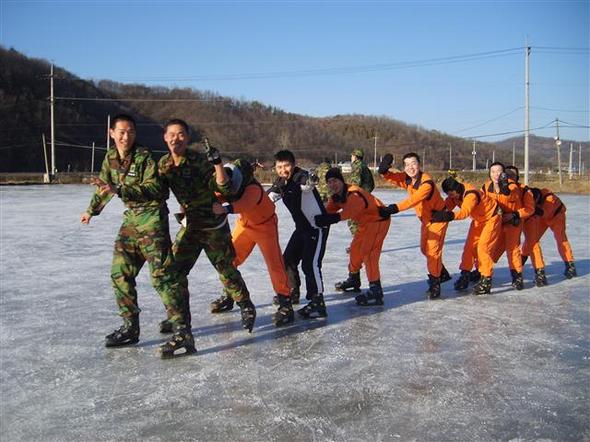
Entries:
{"x":238,"y":127}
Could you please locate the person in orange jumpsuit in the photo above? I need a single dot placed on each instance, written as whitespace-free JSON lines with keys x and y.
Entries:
{"x":550,"y":213}
{"x":351,"y":202}
{"x":508,"y":195}
{"x":484,"y":231}
{"x":424,"y":197}
{"x":257,"y":224}
{"x":530,"y":227}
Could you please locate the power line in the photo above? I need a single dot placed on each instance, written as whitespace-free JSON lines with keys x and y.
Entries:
{"x":490,"y":120}
{"x":560,"y":110}
{"x":204,"y":100}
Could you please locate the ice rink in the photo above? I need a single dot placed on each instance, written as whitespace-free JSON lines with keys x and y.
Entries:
{"x":507,"y":366}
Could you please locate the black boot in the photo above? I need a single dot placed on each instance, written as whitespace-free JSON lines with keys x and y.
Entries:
{"x":540,"y":277}
{"x":248,"y":312}
{"x":181,"y":340}
{"x":166,"y":326}
{"x":352,"y":283}
{"x":433,"y":291}
{"x":374,"y":296}
{"x":222,"y":304}
{"x":474,"y":276}
{"x":444,"y":275}
{"x":517,"y":281}
{"x":284,"y":314}
{"x":483,"y":287}
{"x":463,"y":282}
{"x":570,"y":270}
{"x":315,"y":309}
{"x":127,"y":334}
{"x":295,"y":295}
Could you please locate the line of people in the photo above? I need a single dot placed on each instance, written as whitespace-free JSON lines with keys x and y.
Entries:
{"x":207,"y":192}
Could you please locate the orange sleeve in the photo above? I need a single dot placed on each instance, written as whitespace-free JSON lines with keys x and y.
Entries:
{"x":528,"y":204}
{"x":469,"y":203}
{"x":450,"y":203}
{"x":418,"y":196}
{"x":353,"y":207}
{"x":249,"y":200}
{"x":397,"y":178}
{"x":332,"y":207}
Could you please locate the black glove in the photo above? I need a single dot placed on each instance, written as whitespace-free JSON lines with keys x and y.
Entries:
{"x":313,"y":179}
{"x":386,"y":212}
{"x":385,"y":163}
{"x":213,"y":155}
{"x":442,"y":216}
{"x":326,"y":220}
{"x":515,"y":221}
{"x":539,"y":211}
{"x":503,"y":184}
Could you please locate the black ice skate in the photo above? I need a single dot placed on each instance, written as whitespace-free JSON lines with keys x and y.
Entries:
{"x":483,"y":287}
{"x":433,"y":291}
{"x":540,"y":278}
{"x":444,"y":275}
{"x":181,"y":344}
{"x":517,"y":281}
{"x":284,"y":314}
{"x":374,"y":296}
{"x":222,"y":304}
{"x":474,"y":276}
{"x":570,"y":270}
{"x":127,"y":334}
{"x":166,"y":326}
{"x":463,"y":282}
{"x":315,"y":309}
{"x":352,"y":283}
{"x":295,"y":294}
{"x":248,"y":312}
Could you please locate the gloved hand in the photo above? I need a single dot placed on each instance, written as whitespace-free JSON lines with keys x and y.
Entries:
{"x":326,"y":220}
{"x":213,"y":155}
{"x":386,"y":212}
{"x":442,"y":216}
{"x":385,"y":164}
{"x":313,"y":179}
{"x":539,"y":211}
{"x":515,"y":221}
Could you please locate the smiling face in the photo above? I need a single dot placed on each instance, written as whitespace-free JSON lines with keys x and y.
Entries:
{"x":335,"y":185}
{"x":284,"y":169}
{"x":176,"y":139}
{"x":412,"y":167}
{"x":495,"y":172}
{"x":123,"y":134}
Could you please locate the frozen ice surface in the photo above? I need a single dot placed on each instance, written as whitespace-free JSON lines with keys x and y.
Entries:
{"x":508,"y":366}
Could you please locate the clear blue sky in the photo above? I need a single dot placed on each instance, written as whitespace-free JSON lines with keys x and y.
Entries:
{"x":355,"y":55}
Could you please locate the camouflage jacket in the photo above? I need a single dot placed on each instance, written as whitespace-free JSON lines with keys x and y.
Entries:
{"x":137,"y":179}
{"x":322,"y":185}
{"x":361,"y":175}
{"x":194,"y":186}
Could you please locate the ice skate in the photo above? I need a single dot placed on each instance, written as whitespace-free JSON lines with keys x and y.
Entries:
{"x":181,"y":340}
{"x":352,"y":283}
{"x":570,"y":270}
{"x":373,"y":296}
{"x":433,"y":291}
{"x":316,"y":308}
{"x":222,"y":304}
{"x":444,"y":275}
{"x":474,"y":276}
{"x":517,"y":281}
{"x":166,"y":326}
{"x":463,"y":282}
{"x":483,"y":287}
{"x":284,"y":314}
{"x":295,"y":294}
{"x":540,"y":278}
{"x":248,"y":312}
{"x":127,"y":334}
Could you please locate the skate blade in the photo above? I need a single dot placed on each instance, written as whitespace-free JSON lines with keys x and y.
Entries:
{"x":171,"y":354}
{"x":121,"y":344}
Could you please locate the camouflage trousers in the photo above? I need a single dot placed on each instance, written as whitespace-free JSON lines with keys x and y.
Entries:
{"x":144,"y":236}
{"x":219,"y":249}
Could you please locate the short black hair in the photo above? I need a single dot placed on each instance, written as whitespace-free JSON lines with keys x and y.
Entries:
{"x":497,"y":163}
{"x":285,"y":155}
{"x":515,"y":169}
{"x":178,"y":121}
{"x":122,"y":117}
{"x":412,"y":155}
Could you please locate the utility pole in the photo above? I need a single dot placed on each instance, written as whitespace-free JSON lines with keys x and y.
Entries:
{"x":52,"y":113}
{"x":526,"y":115}
{"x":579,"y":160}
{"x":92,"y":163}
{"x":473,"y":153}
{"x":450,"y":156}
{"x":557,"y":145}
{"x":493,"y":156}
{"x":375,"y":160}
{"x":108,"y":133}
{"x":571,"y":165}
{"x":47,"y":176}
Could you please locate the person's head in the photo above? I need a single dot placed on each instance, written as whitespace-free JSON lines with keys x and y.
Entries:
{"x":357,"y":154}
{"x":512,"y":172}
{"x":122,"y":131}
{"x":235,"y":175}
{"x":411,"y":162}
{"x":176,"y":136}
{"x":247,"y":170}
{"x":496,"y":169}
{"x":453,"y":188}
{"x":284,"y":163}
{"x":335,"y":181}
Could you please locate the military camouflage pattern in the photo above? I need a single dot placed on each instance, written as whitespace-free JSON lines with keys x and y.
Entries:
{"x":322,"y":186}
{"x":144,"y":234}
{"x":361,"y":175}
{"x":193,"y":183}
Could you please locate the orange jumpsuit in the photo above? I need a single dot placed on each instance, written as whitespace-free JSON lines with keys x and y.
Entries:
{"x":258,"y":224}
{"x":484,"y":231}
{"x":424,"y":197}
{"x":367,"y":242}
{"x":510,"y":238}
{"x":553,"y":218}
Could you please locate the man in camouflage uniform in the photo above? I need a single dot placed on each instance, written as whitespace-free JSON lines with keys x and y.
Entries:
{"x":129,"y":172}
{"x":194,"y":178}
{"x":360,"y":175}
{"x":322,"y":186}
